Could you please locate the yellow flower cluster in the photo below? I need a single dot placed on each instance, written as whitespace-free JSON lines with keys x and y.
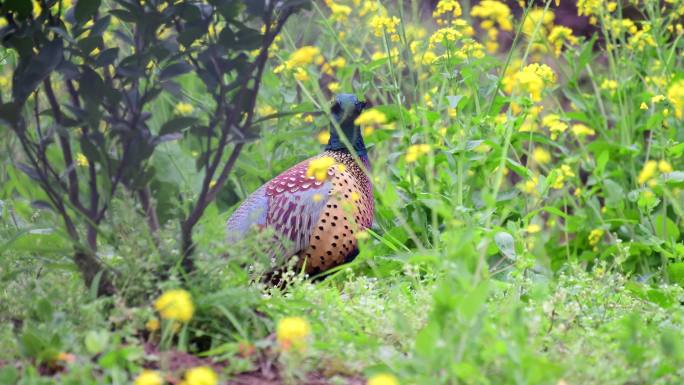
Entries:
{"x":531,"y":80}
{"x":81,"y":160}
{"x":292,"y":332}
{"x":424,"y":56}
{"x":562,"y":173}
{"x":588,"y":7}
{"x":530,"y":185}
{"x":175,"y":305}
{"x":619,"y":26}
{"x":338,"y":12}
{"x":446,"y":11}
{"x":560,"y":35}
{"x":183,"y":108}
{"x":319,"y":167}
{"x":609,"y":85}
{"x":537,"y":16}
{"x":382,"y":379}
{"x":415,"y":151}
{"x":580,"y":130}
{"x":470,"y":49}
{"x":495,"y":15}
{"x":305,"y":56}
{"x":541,"y":156}
{"x":149,"y":377}
{"x":385,"y":24}
{"x":651,"y":169}
{"x":493,"y":11}
{"x":369,"y":120}
{"x":200,"y":375}
{"x":369,"y":6}
{"x":555,"y":125}
{"x":298,"y":61}
{"x":675,"y":94}
{"x":444,"y":36}
{"x":595,"y":236}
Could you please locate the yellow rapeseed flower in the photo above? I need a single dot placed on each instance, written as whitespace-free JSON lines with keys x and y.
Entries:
{"x":152,"y":324}
{"x":304,"y":56}
{"x":470,"y":49}
{"x":444,"y":36}
{"x":292,"y":332}
{"x":319,"y":167}
{"x":339,"y":12}
{"x":609,"y":85}
{"x":675,"y":94}
{"x":531,"y":80}
{"x":536,"y":16}
{"x":149,"y":377}
{"x":588,"y":7}
{"x":657,"y":98}
{"x":338,"y":62}
{"x":533,"y":228}
{"x":371,"y":117}
{"x":334,"y":87}
{"x":665,"y":167}
{"x":595,"y":236}
{"x":301,"y":74}
{"x":494,"y":12}
{"x":554,"y":124}
{"x":175,"y":305}
{"x":643,"y":106}
{"x":382,"y":379}
{"x":530,"y":185}
{"x":580,"y":130}
{"x":266,"y":110}
{"x":648,"y":171}
{"x":541,"y":156}
{"x":385,"y":24}
{"x":81,"y":160}
{"x":323,"y":137}
{"x":183,"y":108}
{"x":560,"y":35}
{"x":446,"y":10}
{"x":415,"y":151}
{"x":200,"y":375}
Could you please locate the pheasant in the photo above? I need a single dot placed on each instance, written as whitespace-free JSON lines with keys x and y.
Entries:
{"x":319,"y":205}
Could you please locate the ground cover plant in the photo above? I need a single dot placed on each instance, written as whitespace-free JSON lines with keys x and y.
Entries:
{"x":528,"y":182}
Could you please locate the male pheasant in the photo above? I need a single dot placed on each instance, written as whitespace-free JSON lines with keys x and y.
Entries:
{"x":318,"y":215}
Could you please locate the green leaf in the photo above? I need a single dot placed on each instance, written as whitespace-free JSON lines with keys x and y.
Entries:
{"x":506,"y":244}
{"x":8,"y":375}
{"x":91,"y":86}
{"x":175,"y":125}
{"x":427,"y":339}
{"x":665,"y":228}
{"x":677,"y":150}
{"x":675,"y":272}
{"x":85,"y":9}
{"x":97,"y":341}
{"x":31,"y":71}
{"x":22,"y":7}
{"x":174,"y":70}
{"x":107,"y":57}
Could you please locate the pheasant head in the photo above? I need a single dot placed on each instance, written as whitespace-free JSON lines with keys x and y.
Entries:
{"x":345,"y":110}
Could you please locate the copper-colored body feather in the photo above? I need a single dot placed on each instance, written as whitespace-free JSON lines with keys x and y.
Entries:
{"x":348,"y":210}
{"x":320,"y":218}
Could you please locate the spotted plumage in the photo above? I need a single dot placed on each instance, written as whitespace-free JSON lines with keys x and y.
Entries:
{"x":319,"y":219}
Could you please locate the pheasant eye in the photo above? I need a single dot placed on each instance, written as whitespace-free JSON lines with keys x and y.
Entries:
{"x":336,"y":108}
{"x":360,"y":106}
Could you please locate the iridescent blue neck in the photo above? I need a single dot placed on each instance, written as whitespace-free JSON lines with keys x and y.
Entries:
{"x":353,"y":133}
